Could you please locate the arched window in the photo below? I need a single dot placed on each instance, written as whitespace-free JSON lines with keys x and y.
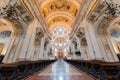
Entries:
{"x":115,"y":33}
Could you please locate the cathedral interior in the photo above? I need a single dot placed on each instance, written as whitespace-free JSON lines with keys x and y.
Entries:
{"x":59,"y":39}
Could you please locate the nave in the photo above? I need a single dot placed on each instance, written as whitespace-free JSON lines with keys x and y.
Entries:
{"x":60,"y":70}
{"x":34,"y":34}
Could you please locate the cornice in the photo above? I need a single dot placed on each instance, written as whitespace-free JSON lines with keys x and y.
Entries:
{"x":78,"y":20}
{"x":38,"y":15}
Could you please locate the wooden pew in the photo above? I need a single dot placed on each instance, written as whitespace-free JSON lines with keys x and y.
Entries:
{"x":7,"y":70}
{"x":95,"y":66}
{"x":99,"y":69}
{"x":110,"y":71}
{"x":20,"y":70}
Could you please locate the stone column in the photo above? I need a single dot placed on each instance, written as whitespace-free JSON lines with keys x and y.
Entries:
{"x":37,"y":53}
{"x":103,"y":52}
{"x":13,"y":50}
{"x":46,"y":52}
{"x":42,"y":48}
{"x":84,"y":56}
{"x":73,"y":50}
{"x":72,"y":47}
{"x":27,"y":40}
{"x":79,"y":46}
{"x":19,"y":47}
{"x":33,"y":55}
{"x":107,"y":49}
{"x":89,"y":42}
{"x":8,"y":49}
{"x":113,"y":54}
{"x":81,"y":50}
{"x":31,"y":45}
{"x":94,"y":42}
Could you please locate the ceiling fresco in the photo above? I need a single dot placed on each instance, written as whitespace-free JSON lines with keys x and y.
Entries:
{"x":63,"y":11}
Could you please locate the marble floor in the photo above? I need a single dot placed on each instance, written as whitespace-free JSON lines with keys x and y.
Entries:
{"x":60,"y":70}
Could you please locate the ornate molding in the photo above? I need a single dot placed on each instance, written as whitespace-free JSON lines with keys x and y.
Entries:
{"x":18,"y":15}
{"x":80,"y":32}
{"x":102,"y":28}
{"x":39,"y":35}
{"x":96,"y":11}
{"x":80,"y":17}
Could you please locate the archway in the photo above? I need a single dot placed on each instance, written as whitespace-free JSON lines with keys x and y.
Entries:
{"x":114,"y":33}
{"x":9,"y":33}
{"x":84,"y":48}
{"x":4,"y":37}
{"x":7,"y":30}
{"x":107,"y":32}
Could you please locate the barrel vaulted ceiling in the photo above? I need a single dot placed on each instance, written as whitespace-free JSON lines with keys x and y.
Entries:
{"x":56,"y":13}
{"x":59,"y":13}
{"x":53,"y":14}
{"x":59,"y":19}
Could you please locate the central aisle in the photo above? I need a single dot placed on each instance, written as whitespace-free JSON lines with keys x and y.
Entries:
{"x":60,"y":70}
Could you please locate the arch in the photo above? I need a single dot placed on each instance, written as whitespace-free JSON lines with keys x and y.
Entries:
{"x":114,"y":28}
{"x":5,"y":34}
{"x":43,"y":2}
{"x":75,"y":43}
{"x":8,"y":31}
{"x":83,"y":42}
{"x":60,"y":39}
{"x":105,"y":26}
{"x":65,"y":9}
{"x":15,"y":28}
{"x":46,"y":43}
{"x":60,"y":13}
{"x":84,"y":48}
{"x":107,"y":40}
{"x":114,"y":33}
{"x":60,"y":25}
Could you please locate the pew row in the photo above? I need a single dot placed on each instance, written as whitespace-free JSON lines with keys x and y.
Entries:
{"x":99,"y":69}
{"x":20,"y":70}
